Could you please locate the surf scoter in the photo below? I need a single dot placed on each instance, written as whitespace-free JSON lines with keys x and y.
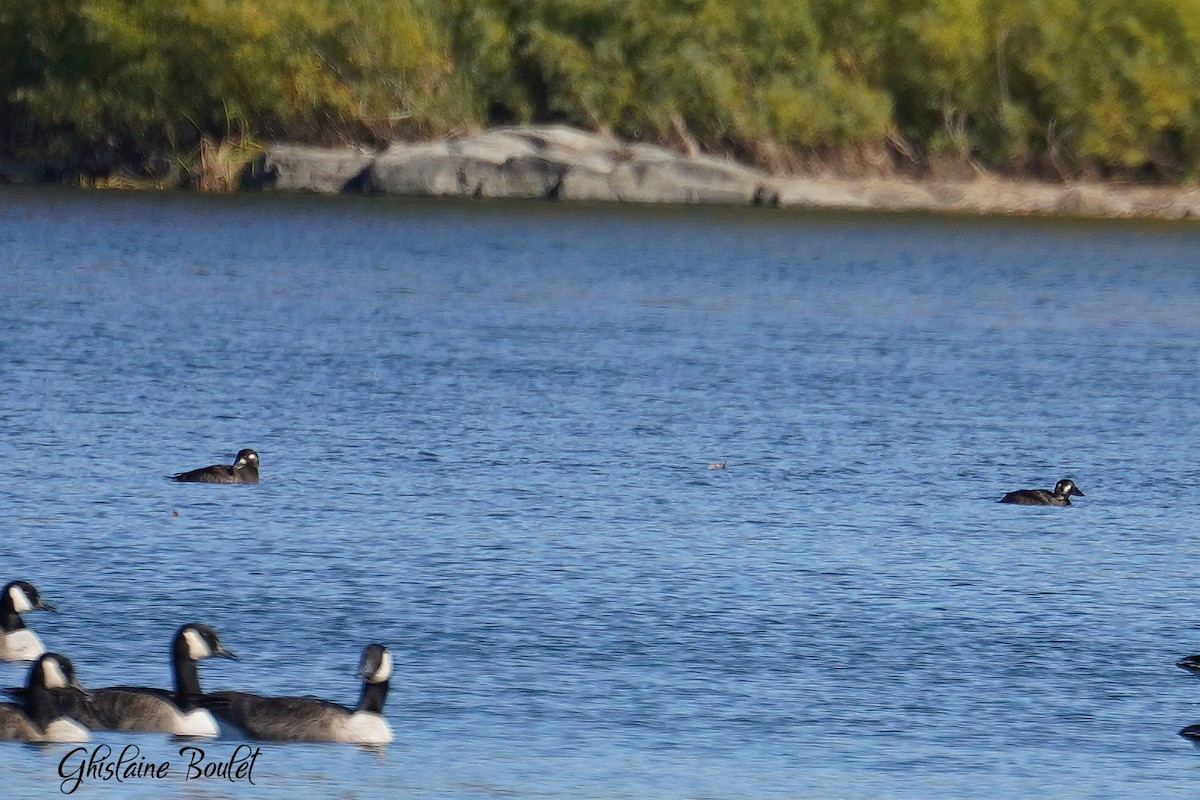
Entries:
{"x":243,"y":470}
{"x":1060,"y":496}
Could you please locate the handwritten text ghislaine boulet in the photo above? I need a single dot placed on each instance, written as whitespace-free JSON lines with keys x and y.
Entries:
{"x":82,"y":764}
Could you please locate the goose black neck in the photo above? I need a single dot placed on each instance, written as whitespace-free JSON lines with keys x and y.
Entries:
{"x":40,"y":705}
{"x":9,"y":618}
{"x":187,"y":682}
{"x":374,"y":695}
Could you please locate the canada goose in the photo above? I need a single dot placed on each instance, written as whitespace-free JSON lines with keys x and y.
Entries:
{"x":243,"y":470}
{"x":1060,"y":496}
{"x":311,"y":719}
{"x":38,"y":718}
{"x":142,"y":708}
{"x":18,"y":643}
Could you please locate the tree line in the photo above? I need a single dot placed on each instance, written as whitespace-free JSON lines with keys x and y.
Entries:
{"x":1046,"y":87}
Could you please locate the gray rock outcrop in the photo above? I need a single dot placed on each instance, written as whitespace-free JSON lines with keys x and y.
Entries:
{"x":541,"y":162}
{"x":307,"y":169}
{"x":554,"y":162}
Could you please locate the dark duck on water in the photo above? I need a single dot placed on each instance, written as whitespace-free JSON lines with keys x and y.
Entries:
{"x":1059,"y":496}
{"x":243,"y":470}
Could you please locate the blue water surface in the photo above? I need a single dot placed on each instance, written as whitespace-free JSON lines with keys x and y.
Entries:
{"x":485,"y":433}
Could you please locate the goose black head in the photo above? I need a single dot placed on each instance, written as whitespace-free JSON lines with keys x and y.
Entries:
{"x":196,"y":641}
{"x":376,"y":664}
{"x":52,"y":671}
{"x":23,"y":596}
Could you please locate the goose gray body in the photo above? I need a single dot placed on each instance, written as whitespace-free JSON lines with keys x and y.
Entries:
{"x":244,"y":469}
{"x":296,"y":719}
{"x":131,"y":708}
{"x":1060,"y":495}
{"x":16,"y":726}
{"x":311,"y":719}
{"x":38,"y":717}
{"x":17,"y":642}
{"x":144,"y":708}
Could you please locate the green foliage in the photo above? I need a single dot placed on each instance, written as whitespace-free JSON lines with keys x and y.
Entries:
{"x":1074,"y":83}
{"x":729,"y":72}
{"x":1068,"y":85}
{"x":1109,"y":83}
{"x":155,"y":76}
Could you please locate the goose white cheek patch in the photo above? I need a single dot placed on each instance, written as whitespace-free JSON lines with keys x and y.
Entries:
{"x":197,"y":647}
{"x":19,"y":599}
{"x":385,"y":669}
{"x":52,"y":675}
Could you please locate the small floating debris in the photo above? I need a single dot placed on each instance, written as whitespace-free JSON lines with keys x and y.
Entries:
{"x":717,"y":465}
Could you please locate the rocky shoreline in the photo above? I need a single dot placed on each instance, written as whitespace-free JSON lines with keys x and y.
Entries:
{"x":554,"y":162}
{"x":564,"y":164}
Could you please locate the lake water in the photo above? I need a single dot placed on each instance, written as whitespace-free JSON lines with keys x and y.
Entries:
{"x":485,"y":433}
